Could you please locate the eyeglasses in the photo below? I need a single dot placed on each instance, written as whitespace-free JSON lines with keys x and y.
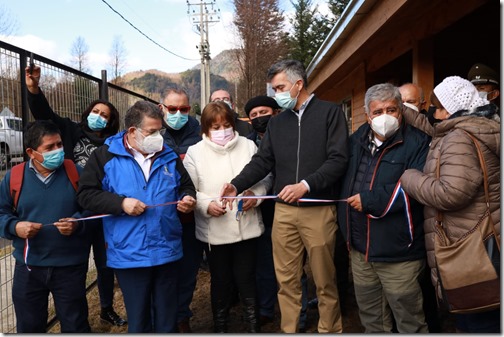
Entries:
{"x":161,"y":132}
{"x":173,"y":108}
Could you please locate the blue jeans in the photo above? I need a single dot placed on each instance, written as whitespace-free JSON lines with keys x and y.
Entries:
{"x":30,"y":291}
{"x":189,"y":266}
{"x":265,"y":275}
{"x":150,"y":297}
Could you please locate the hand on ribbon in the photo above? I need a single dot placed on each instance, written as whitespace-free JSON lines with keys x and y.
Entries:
{"x":27,"y":229}
{"x":66,"y":226}
{"x":228,"y":190}
{"x":187,"y":204}
{"x":132,"y":206}
{"x":292,"y":193}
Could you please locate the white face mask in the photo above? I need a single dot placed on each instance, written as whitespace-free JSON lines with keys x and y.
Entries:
{"x":385,"y":125}
{"x":411,"y":106}
{"x":151,"y":143}
{"x":483,"y":94}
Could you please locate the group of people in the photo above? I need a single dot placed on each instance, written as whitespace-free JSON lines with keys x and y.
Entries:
{"x":258,"y":199}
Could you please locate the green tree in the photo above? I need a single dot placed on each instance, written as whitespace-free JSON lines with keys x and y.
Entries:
{"x":310,"y":27}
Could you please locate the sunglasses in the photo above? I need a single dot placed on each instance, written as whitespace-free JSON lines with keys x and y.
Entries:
{"x":173,"y":108}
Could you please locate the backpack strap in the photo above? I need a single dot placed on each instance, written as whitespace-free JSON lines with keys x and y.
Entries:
{"x":16,"y":182}
{"x":17,"y":175}
{"x":71,"y":171}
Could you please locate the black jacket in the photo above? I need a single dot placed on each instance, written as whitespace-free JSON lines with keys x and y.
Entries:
{"x":391,"y":238}
{"x":313,"y":149}
{"x":180,"y":140}
{"x":71,"y":131}
{"x":243,"y":128}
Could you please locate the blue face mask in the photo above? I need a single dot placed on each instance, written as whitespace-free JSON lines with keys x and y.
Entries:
{"x":52,"y":159}
{"x":96,"y":122}
{"x":285,"y":100}
{"x":177,"y":120}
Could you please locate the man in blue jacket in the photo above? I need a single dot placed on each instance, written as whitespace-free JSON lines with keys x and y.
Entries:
{"x":142,"y":184}
{"x":51,"y":252}
{"x":384,"y":228}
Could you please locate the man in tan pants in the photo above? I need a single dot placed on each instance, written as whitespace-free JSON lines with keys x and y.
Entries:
{"x":306,"y":147}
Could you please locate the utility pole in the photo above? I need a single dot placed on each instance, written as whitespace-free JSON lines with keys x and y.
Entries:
{"x":202,"y":14}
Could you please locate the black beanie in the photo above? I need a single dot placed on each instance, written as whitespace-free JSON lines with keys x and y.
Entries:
{"x":260,"y":101}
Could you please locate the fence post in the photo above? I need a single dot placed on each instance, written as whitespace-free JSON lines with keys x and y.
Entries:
{"x":25,"y":114}
{"x":104,"y":86}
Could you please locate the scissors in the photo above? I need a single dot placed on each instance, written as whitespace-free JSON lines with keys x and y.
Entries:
{"x":240,"y":212}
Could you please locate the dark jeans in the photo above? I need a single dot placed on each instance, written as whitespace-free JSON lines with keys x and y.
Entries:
{"x":105,"y":275}
{"x":482,"y":322}
{"x":147,"y":292}
{"x":189,"y":266}
{"x":265,"y":275}
{"x":232,"y":262}
{"x":30,"y":291}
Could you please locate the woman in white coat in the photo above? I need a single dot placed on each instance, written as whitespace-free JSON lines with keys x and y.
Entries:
{"x":229,"y":235}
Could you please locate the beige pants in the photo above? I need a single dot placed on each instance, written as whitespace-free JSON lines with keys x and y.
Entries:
{"x":314,"y":229}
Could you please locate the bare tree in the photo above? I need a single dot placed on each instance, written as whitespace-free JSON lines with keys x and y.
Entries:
{"x":260,"y":26}
{"x":117,"y":59}
{"x":8,"y":23}
{"x":79,"y":53}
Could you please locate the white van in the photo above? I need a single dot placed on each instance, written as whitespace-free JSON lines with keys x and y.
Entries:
{"x":11,"y":140}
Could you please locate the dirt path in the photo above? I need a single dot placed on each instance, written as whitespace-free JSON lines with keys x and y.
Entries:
{"x":201,"y":322}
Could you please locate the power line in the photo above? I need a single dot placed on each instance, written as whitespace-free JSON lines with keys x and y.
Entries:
{"x":157,"y":44}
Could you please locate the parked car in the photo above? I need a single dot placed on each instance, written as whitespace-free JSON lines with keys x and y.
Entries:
{"x":11,"y":139}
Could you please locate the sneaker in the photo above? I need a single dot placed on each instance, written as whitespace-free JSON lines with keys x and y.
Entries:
{"x":110,"y":316}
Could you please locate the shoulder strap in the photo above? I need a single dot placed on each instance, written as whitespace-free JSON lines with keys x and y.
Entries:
{"x":17,"y":175}
{"x":485,"y":184}
{"x":16,"y":182}
{"x":71,"y":171}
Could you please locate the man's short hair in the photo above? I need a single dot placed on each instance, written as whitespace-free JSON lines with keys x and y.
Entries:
{"x":294,"y":70}
{"x":382,"y":92}
{"x":35,"y":131}
{"x":136,"y":113}
{"x":175,"y":90}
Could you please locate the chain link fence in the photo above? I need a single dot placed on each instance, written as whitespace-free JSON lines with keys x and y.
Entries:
{"x":69,"y":92}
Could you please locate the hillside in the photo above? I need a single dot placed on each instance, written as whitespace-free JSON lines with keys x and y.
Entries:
{"x":152,"y":82}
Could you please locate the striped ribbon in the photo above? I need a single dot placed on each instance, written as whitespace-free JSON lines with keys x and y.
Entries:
{"x":100,"y":216}
{"x":398,"y":190}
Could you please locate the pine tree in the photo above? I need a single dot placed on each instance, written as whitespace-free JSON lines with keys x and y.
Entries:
{"x":310,"y":28}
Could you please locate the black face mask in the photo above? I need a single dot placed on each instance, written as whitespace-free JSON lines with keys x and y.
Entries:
{"x":430,"y":116}
{"x":260,"y":123}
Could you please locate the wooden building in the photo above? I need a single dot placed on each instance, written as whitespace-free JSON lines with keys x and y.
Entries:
{"x":400,"y":41}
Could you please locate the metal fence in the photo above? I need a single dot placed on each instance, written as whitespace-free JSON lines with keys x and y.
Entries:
{"x":68,"y":91}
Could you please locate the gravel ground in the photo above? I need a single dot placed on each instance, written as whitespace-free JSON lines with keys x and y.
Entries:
{"x":201,"y":322}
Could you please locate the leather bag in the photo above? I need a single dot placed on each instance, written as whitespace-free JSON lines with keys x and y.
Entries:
{"x":469,"y":268}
